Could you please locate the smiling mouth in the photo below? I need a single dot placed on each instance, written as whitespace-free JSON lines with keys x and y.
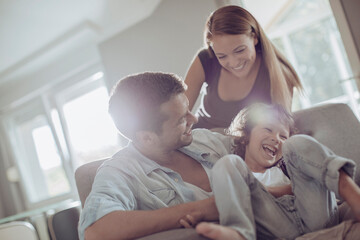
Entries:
{"x":239,"y":67}
{"x":270,"y":150}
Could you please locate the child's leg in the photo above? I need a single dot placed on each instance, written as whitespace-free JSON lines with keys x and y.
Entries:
{"x":241,"y":201}
{"x":233,"y":201}
{"x":314,"y":172}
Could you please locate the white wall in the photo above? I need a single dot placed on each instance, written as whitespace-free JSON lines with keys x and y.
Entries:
{"x":51,"y":65}
{"x":166,"y":41}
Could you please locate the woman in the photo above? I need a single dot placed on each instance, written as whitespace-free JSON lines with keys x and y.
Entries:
{"x":240,"y":66}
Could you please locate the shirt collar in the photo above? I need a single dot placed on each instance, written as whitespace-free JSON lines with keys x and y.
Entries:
{"x":149,"y":165}
{"x":197,"y":155}
{"x":146,"y":163}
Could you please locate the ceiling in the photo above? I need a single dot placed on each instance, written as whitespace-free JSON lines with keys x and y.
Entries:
{"x":31,"y":29}
{"x":33,"y":33}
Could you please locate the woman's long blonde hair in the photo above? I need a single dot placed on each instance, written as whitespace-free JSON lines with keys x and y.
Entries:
{"x":235,"y":20}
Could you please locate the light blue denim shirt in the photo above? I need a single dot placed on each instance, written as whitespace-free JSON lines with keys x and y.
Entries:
{"x":131,"y":181}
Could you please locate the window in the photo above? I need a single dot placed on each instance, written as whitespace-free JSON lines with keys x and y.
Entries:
{"x":37,"y":155}
{"x":58,"y":130}
{"x":306,"y":32}
{"x":50,"y":163}
{"x":90,"y":130}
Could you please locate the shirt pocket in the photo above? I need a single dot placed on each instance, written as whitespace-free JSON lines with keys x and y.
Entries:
{"x":163,"y":196}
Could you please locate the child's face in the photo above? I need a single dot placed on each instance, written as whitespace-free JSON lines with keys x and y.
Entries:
{"x":265,"y":144}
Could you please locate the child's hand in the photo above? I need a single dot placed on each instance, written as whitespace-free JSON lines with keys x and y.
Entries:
{"x":205,"y":211}
{"x":190,"y":221}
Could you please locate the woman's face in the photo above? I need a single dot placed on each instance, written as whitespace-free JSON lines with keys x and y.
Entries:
{"x":236,"y":53}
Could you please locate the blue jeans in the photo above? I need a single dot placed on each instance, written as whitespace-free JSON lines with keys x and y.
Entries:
{"x":245,"y":205}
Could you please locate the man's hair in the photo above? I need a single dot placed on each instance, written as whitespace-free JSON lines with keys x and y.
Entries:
{"x":249,"y":117}
{"x":135,"y":101}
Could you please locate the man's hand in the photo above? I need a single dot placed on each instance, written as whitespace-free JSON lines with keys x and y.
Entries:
{"x":207,"y":212}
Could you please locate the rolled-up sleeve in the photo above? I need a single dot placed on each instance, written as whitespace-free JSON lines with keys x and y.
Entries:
{"x":112,"y":191}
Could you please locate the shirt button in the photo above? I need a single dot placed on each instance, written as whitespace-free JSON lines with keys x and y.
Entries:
{"x":176,"y":180}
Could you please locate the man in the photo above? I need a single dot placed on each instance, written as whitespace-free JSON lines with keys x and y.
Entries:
{"x":162,"y":175}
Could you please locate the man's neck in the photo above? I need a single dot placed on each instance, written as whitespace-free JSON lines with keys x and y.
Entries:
{"x":161,"y":156}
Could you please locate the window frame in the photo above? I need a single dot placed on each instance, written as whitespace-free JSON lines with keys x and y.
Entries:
{"x":42,"y":102}
{"x":14,"y":118}
{"x":350,"y":95}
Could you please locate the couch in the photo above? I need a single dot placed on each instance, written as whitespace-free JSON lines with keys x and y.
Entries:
{"x":334,"y":125}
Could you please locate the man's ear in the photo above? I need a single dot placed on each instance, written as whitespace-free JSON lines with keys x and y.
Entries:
{"x":146,"y":138}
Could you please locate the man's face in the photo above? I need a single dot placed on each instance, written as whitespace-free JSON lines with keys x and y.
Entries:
{"x":176,"y":130}
{"x":265,"y":144}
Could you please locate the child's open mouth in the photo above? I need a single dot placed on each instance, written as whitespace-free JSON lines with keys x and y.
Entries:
{"x":270,"y":150}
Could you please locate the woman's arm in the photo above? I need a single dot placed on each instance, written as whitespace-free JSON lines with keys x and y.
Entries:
{"x":194,"y":79}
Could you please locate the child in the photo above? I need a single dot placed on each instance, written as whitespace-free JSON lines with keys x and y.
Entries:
{"x":262,"y":136}
{"x":271,"y":173}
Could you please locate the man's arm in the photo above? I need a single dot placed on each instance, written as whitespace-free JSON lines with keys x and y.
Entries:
{"x":133,"y":224}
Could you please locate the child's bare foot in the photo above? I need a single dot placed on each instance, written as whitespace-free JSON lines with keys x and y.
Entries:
{"x":217,"y":232}
{"x":350,"y":192}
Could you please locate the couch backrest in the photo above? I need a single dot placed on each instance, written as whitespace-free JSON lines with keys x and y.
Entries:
{"x":334,"y":125}
{"x":84,"y":178}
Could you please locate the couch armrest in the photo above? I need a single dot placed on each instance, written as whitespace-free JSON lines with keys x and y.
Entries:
{"x":335,"y":126}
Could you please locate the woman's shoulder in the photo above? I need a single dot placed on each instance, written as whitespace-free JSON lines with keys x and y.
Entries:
{"x":205,"y":55}
{"x":209,"y":63}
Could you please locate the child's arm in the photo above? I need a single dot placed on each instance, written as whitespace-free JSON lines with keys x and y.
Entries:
{"x":350,"y":192}
{"x":280,"y":191}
